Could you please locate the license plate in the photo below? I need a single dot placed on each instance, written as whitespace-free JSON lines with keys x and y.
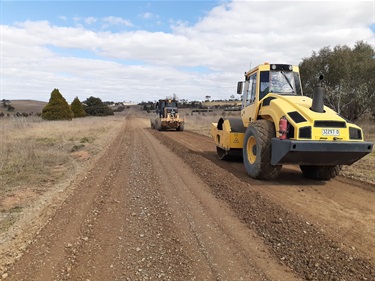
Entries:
{"x":330,"y":132}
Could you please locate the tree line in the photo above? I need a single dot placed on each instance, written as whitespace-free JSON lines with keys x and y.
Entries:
{"x":7,"y":104}
{"x":349,"y":78}
{"x":58,"y":108}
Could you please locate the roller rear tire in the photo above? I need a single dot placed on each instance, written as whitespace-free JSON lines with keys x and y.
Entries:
{"x":323,"y":173}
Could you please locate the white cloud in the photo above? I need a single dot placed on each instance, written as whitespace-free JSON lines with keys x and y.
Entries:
{"x":148,"y":15}
{"x":77,"y":19}
{"x":117,"y":21}
{"x":141,"y":65}
{"x":90,"y":20}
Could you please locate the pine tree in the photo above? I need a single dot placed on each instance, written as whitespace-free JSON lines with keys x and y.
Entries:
{"x":77,"y":108}
{"x":95,"y":107}
{"x":57,"y":108}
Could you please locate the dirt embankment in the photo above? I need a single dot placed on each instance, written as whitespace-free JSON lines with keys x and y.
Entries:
{"x":161,"y":206}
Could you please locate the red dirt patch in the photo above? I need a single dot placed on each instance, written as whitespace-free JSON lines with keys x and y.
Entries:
{"x":17,"y":199}
{"x":81,"y":155}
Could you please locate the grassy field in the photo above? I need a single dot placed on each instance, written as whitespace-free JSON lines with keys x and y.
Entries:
{"x":222,"y":103}
{"x":33,"y":150}
{"x":200,"y":122}
{"x":365,"y":167}
{"x":35,"y":155}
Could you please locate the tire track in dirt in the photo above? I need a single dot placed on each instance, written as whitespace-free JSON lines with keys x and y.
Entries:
{"x":133,"y":236}
{"x":342,"y":208}
{"x":298,"y":242}
{"x":212,"y":234}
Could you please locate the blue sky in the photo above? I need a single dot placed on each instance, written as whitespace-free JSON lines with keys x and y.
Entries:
{"x":146,"y":50}
{"x":146,"y":15}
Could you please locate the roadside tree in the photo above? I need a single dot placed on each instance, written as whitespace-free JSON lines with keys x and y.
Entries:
{"x":77,"y":108}
{"x":348,"y":78}
{"x":5,"y":102}
{"x":95,"y":106}
{"x":57,"y":108}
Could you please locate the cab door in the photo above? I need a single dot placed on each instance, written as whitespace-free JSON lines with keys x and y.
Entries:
{"x":249,"y":100}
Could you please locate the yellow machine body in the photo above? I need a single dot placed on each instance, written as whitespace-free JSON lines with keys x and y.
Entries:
{"x":168,"y":117}
{"x":225,"y":138}
{"x":316,"y":134}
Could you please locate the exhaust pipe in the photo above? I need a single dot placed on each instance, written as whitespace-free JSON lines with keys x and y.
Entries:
{"x":318,"y":102}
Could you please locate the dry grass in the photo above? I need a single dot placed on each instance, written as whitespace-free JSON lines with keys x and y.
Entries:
{"x":200,"y":122}
{"x":35,"y":154}
{"x":365,"y":167}
{"x":222,"y":103}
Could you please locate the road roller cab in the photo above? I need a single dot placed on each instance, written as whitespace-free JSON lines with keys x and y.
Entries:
{"x":279,"y":125}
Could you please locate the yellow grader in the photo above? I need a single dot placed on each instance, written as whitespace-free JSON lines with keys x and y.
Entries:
{"x":279,"y":125}
{"x":168,"y":116}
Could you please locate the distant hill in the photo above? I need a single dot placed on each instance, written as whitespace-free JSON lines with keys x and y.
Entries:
{"x":25,"y":106}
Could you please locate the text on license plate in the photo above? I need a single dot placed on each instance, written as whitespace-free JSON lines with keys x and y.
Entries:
{"x":330,"y":132}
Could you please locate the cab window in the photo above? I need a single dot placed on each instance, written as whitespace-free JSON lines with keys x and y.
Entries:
{"x":282,"y":82}
{"x":251,"y":90}
{"x":264,"y":84}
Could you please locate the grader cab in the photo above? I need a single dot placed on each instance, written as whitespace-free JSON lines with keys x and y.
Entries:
{"x":279,"y":125}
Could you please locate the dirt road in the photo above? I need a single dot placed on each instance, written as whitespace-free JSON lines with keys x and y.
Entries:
{"x":160,"y":206}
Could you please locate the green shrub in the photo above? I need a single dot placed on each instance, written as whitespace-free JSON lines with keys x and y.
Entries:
{"x":57,"y":108}
{"x":77,"y":108}
{"x":95,"y":107}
